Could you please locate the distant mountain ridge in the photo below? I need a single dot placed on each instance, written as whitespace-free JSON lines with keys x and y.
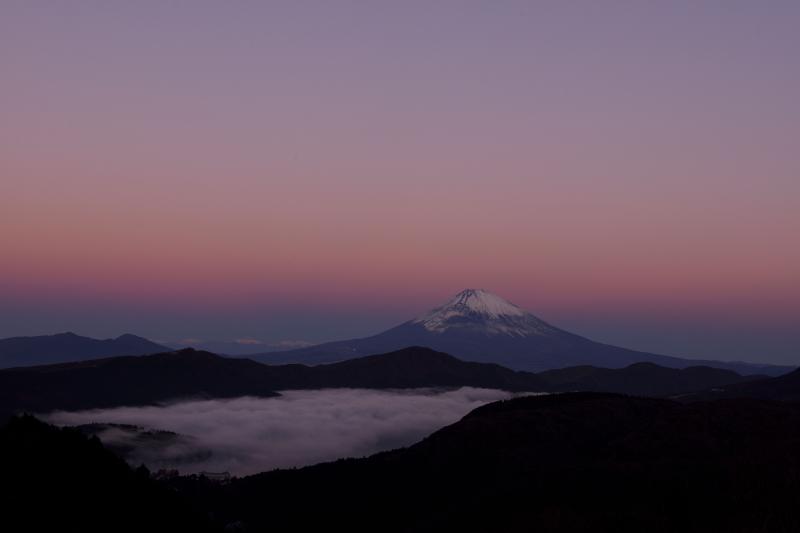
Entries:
{"x":239,"y":348}
{"x":476,"y":325}
{"x":68,"y":347}
{"x":191,"y":374}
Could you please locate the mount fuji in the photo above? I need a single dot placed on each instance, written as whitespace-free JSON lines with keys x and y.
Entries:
{"x":476,"y":325}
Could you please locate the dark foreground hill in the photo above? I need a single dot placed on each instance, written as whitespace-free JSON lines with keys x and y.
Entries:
{"x":60,"y":480}
{"x":565,"y":463}
{"x":66,"y":347}
{"x":189,"y":374}
{"x":584,"y":462}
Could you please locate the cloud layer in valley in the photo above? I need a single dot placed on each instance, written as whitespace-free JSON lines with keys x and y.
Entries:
{"x":248,"y":435}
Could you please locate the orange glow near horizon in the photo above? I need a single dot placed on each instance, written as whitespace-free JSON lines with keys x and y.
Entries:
{"x":255,"y":157}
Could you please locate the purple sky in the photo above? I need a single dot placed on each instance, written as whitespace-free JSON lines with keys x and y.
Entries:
{"x":317,"y":170}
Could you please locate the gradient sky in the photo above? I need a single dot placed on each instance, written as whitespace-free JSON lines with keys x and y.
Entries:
{"x":317,"y":170}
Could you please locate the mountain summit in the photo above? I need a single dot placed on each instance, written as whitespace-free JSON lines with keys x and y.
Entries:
{"x":476,"y":325}
{"x":482,"y":311}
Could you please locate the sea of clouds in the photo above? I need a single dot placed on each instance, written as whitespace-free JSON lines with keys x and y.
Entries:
{"x":249,"y":435}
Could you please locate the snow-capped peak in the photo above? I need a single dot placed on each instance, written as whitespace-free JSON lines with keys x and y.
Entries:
{"x":479,"y":301}
{"x":480,"y":310}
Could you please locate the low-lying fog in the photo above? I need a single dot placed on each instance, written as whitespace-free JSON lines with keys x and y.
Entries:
{"x":248,"y":435}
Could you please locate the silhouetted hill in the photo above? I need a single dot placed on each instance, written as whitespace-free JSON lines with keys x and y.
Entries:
{"x":477,"y":325}
{"x":130,"y":380}
{"x":785,"y":388}
{"x":192,"y":374}
{"x":584,"y":462}
{"x":66,"y":347}
{"x":189,"y":374}
{"x":413,"y":367}
{"x":641,"y":379}
{"x":60,"y":480}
